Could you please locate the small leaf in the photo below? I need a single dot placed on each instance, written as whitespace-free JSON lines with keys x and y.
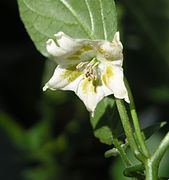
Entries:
{"x":114,"y":151}
{"x":111,"y":152}
{"x":104,"y":134}
{"x":149,"y":131}
{"x":94,"y":19}
{"x":104,"y":122}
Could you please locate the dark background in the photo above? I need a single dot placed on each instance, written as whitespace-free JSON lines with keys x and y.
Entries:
{"x":48,"y":136}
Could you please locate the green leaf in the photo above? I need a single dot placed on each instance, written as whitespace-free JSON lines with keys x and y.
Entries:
{"x":94,"y":19}
{"x":149,"y":131}
{"x":104,"y":134}
{"x":115,"y":151}
{"x":111,"y":152}
{"x":104,"y":123}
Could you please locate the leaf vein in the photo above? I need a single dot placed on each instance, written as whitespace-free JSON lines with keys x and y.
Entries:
{"x":85,"y":28}
{"x":91,"y":16}
{"x":42,"y":15}
{"x":103,"y":19}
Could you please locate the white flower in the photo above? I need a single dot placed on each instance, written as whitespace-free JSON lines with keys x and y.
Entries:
{"x":90,"y":68}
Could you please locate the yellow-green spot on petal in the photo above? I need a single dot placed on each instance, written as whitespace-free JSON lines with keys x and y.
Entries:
{"x":106,"y":54}
{"x":74,"y":57}
{"x":107,"y":75}
{"x":87,"y":47}
{"x":85,"y":85}
{"x":71,"y":73}
{"x":101,"y":50}
{"x":89,"y":86}
{"x":109,"y":71}
{"x":104,"y":79}
{"x":95,"y":84}
{"x":77,"y":54}
{"x":109,"y":58}
{"x":74,"y":75}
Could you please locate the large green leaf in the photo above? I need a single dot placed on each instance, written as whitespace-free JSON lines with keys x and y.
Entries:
{"x":95,"y":19}
{"x":105,"y":123}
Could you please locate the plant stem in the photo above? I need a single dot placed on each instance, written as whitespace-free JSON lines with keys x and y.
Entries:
{"x":152,"y":164}
{"x":136,"y":122}
{"x":151,"y":171}
{"x":159,"y":153}
{"x":122,"y":152}
{"x":128,"y":130}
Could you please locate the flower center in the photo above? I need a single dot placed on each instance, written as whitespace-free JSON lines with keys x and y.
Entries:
{"x":89,"y":69}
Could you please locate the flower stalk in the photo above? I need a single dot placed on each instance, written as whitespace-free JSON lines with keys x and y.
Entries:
{"x":136,"y":124}
{"x":128,"y":130}
{"x":122,"y":152}
{"x":149,"y":162}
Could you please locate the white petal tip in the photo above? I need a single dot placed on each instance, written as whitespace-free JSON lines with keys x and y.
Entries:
{"x":49,"y":42}
{"x":92,"y":114}
{"x":59,"y":35}
{"x":117,"y":36}
{"x":127,"y":100}
{"x":124,"y":97}
{"x":45,"y":87}
{"x":117,"y":33}
{"x":116,"y":39}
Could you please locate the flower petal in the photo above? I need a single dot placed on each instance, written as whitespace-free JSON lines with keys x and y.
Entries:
{"x":90,"y":93}
{"x":60,"y":55}
{"x":113,"y":79}
{"x":70,"y":51}
{"x":67,"y":43}
{"x":103,"y":79}
{"x":53,"y":49}
{"x":116,"y":39}
{"x":117,"y":48}
{"x":65,"y":78}
{"x":112,"y":51}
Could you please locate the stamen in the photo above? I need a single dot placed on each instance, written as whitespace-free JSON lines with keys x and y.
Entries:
{"x":89,"y":69}
{"x":81,"y":65}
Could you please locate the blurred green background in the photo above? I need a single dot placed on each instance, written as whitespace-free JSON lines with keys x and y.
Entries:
{"x":48,"y":136}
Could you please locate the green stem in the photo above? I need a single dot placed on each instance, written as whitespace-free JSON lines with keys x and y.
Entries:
{"x":122,"y":152}
{"x":162,"y":148}
{"x":152,"y":164}
{"x":159,"y":153}
{"x":128,"y":130}
{"x":151,"y":171}
{"x":136,"y":122}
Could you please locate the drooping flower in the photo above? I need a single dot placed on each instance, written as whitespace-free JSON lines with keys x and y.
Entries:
{"x":90,"y":68}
